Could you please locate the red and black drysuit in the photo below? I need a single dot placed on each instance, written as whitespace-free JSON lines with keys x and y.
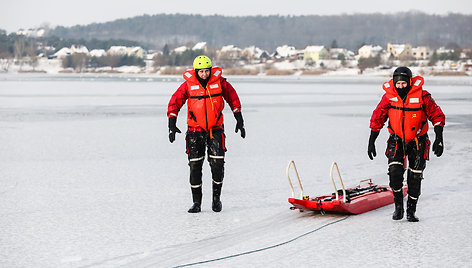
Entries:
{"x":408,"y":129}
{"x":205,"y":125}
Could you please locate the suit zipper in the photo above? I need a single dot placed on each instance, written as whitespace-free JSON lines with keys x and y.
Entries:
{"x":403,"y":132}
{"x":206,"y":113}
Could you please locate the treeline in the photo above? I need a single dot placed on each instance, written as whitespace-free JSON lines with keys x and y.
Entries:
{"x":176,"y":59}
{"x":18,"y":46}
{"x":94,"y":43}
{"x":81,"y":61}
{"x":269,"y":32}
{"x":371,"y":62}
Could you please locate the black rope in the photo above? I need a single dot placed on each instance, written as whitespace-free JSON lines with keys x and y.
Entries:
{"x":262,"y":249}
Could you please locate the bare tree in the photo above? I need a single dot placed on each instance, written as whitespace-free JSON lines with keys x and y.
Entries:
{"x":5,"y":64}
{"x":31,"y":52}
{"x":160,"y":60}
{"x":19,"y":50}
{"x":110,"y":60}
{"x":79,"y":61}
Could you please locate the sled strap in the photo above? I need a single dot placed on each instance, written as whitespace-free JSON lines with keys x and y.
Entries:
{"x":320,"y":206}
{"x":340,"y":180}
{"x":291,"y":162}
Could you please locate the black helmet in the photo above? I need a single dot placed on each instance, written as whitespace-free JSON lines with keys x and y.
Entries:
{"x":402,"y":74}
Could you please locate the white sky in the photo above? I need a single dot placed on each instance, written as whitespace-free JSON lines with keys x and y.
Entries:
{"x":16,"y":14}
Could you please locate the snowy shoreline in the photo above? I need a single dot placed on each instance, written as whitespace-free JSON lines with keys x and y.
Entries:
{"x":278,"y":69}
{"x":370,"y":79}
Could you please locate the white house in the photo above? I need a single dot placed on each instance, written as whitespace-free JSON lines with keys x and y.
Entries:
{"x":422,"y":52}
{"x":97,"y":53}
{"x":152,"y":53}
{"x":117,"y":50}
{"x":200,"y":46}
{"x":334,"y":53}
{"x":79,"y":49}
{"x":399,"y":50}
{"x":229,"y":48}
{"x":369,"y":51}
{"x":129,"y":51}
{"x":229,"y":52}
{"x":136,"y":51}
{"x":253,"y":53}
{"x":180,"y":50}
{"x":31,"y":32}
{"x":65,"y":51}
{"x":285,"y":51}
{"x":442,"y":50}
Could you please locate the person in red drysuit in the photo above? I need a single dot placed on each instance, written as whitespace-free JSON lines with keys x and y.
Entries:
{"x":205,"y":92}
{"x":408,"y":107}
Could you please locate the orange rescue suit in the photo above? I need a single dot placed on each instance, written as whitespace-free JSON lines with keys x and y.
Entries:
{"x":407,"y":118}
{"x":205,"y":105}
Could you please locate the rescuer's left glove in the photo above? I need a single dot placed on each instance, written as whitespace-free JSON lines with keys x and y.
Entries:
{"x":240,"y":124}
{"x":371,"y":148}
{"x":438,"y":145}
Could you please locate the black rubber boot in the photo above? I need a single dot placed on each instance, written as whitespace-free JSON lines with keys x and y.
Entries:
{"x":398,"y":199}
{"x":217,"y":172}
{"x":197,"y":200}
{"x":196,"y":207}
{"x":216,"y":205}
{"x":411,"y":209}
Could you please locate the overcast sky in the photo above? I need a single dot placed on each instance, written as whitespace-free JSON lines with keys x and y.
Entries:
{"x":16,"y":14}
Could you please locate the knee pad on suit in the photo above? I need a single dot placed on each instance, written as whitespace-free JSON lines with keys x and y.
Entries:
{"x":414,"y":183}
{"x":395,"y":173}
{"x":196,"y":172}
{"x":217,"y":168}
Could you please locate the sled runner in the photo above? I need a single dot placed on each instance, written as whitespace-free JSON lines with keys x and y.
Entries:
{"x":364,"y":197}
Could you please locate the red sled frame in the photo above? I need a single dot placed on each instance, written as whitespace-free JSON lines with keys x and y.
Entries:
{"x":355,"y":200}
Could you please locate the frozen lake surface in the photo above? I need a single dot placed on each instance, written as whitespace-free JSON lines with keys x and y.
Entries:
{"x":88,"y":177}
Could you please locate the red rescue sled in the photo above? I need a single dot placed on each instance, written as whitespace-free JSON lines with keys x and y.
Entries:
{"x":356,"y":200}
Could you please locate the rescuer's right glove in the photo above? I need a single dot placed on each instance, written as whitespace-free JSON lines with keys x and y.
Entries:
{"x":240,"y":124}
{"x":173,"y":128}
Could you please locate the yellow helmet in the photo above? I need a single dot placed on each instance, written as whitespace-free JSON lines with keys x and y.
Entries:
{"x":202,"y":62}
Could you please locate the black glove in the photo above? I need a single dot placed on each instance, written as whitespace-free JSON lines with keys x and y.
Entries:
{"x":371,"y":148}
{"x":438,"y":145}
{"x":240,"y":124}
{"x":173,"y":128}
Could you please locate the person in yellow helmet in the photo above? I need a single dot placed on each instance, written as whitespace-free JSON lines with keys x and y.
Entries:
{"x":205,"y":92}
